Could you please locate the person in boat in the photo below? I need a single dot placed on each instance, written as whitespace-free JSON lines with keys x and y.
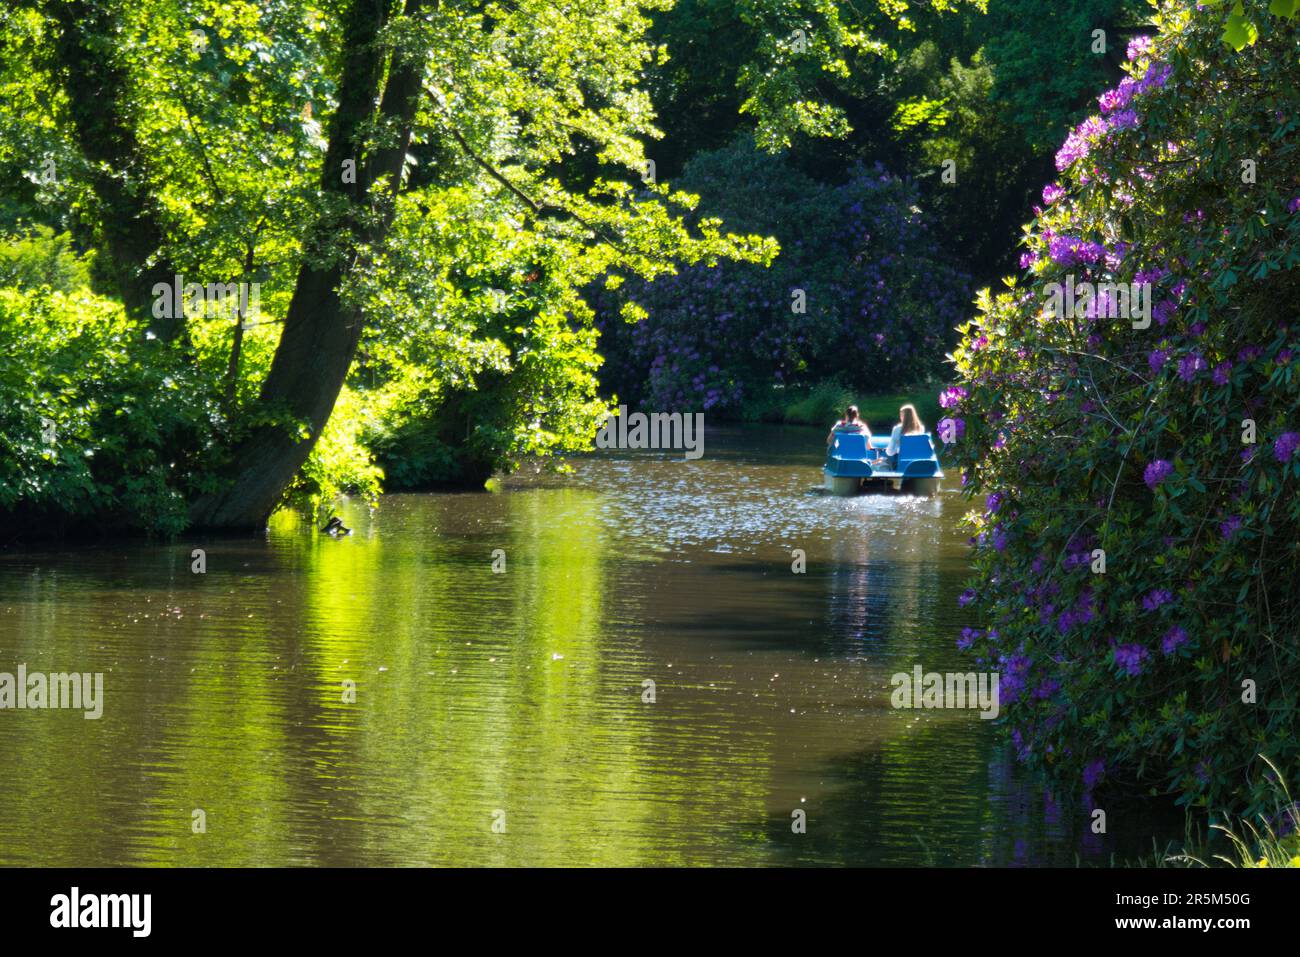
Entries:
{"x":851,"y":422}
{"x":909,"y":423}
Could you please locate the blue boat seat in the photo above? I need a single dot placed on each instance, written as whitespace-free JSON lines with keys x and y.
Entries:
{"x":916,"y":458}
{"x":848,"y":454}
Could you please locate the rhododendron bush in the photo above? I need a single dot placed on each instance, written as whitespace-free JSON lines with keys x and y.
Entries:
{"x":1136,"y":478}
{"x":861,"y":293}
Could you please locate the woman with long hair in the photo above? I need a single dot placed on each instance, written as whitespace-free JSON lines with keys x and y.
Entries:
{"x":909,"y":423}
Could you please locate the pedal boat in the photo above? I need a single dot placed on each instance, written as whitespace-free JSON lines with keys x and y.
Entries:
{"x":849,"y":471}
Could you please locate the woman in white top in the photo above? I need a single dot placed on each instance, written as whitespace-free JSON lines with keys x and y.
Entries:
{"x":909,"y":423}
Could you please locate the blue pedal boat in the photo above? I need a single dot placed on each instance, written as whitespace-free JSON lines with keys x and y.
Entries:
{"x":849,"y":471}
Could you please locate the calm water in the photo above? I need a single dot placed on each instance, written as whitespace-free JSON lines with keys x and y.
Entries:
{"x":517,"y":698}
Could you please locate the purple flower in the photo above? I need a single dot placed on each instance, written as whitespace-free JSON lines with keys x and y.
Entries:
{"x":1189,"y":365}
{"x":1051,"y":193}
{"x":1230,"y":526}
{"x":1174,"y":639}
{"x":1093,"y":773}
{"x":1285,"y":446}
{"x":1293,"y":206}
{"x":1157,"y":472}
{"x":1157,"y":359}
{"x":951,"y":396}
{"x":1080,"y":614}
{"x":1221,"y":373}
{"x":1117,"y":98}
{"x":1028,"y":259}
{"x":1125,"y":120}
{"x":994,"y":502}
{"x":1131,"y":658}
{"x":966,"y":597}
{"x":1079,"y":142}
{"x":1075,"y":148}
{"x":999,"y":539}
{"x":1156,"y":76}
{"x":1011,"y":677}
{"x":1138,"y":47}
{"x":968,"y":636}
{"x":1073,"y":251}
{"x":1156,"y":597}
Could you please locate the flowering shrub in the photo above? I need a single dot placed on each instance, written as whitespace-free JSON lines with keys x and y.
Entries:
{"x":1137,"y":551}
{"x":878,"y":295}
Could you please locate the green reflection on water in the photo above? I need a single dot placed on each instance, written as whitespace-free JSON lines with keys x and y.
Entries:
{"x":521,"y":692}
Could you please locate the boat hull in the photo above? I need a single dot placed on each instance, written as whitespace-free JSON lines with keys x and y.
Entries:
{"x":846,"y":486}
{"x":921,"y":486}
{"x":842,"y":484}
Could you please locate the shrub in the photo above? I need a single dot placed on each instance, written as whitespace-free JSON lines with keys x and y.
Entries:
{"x":1173,"y":449}
{"x":88,"y":426}
{"x":823,"y":403}
{"x":99,"y":433}
{"x":339,"y":463}
{"x":877,"y":294}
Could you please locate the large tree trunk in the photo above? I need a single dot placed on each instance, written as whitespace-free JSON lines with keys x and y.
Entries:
{"x":95,"y":83}
{"x":321,"y":333}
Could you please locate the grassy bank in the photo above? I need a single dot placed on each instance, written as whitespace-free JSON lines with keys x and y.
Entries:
{"x":1269,"y":839}
{"x":823,"y":404}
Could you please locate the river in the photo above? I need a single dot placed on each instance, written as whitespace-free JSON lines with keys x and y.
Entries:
{"x":390,"y":699}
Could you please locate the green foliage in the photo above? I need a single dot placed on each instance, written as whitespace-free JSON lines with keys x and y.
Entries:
{"x":1173,"y":447}
{"x":825,"y":403}
{"x":822,"y":403}
{"x":1045,"y":67}
{"x":483,"y":347}
{"x":41,"y":258}
{"x":862,"y":293}
{"x":787,"y":67}
{"x":978,"y":135}
{"x":207,"y":148}
{"x":86,"y":421}
{"x":340,"y":462}
{"x":1271,"y":838}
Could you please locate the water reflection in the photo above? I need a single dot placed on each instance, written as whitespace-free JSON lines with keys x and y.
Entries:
{"x":521,"y":698}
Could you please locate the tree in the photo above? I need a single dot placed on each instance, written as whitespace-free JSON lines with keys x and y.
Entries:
{"x":242,"y":141}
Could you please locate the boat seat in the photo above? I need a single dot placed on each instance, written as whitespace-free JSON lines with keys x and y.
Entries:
{"x":847,"y":454}
{"x":916,"y":458}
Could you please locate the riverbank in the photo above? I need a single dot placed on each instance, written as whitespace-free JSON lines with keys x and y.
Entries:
{"x":823,"y":404}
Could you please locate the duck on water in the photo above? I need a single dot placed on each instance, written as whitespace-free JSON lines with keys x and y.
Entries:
{"x":857,"y":461}
{"x":336,"y":527}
